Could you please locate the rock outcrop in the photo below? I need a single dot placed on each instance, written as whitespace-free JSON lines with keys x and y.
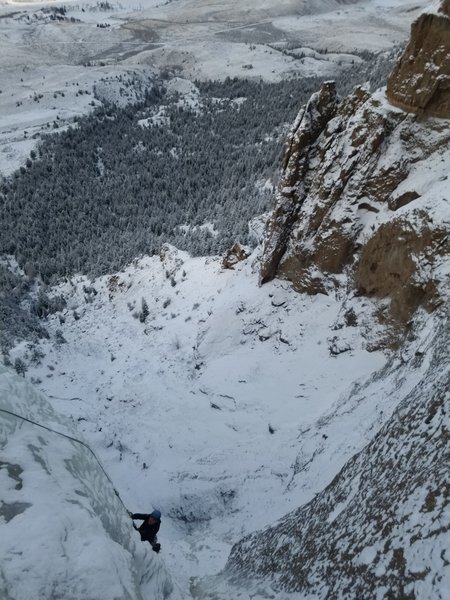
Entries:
{"x":421,"y":80}
{"x":234,"y":255}
{"x":351,"y":209}
{"x":293,"y":188}
{"x":390,"y":262}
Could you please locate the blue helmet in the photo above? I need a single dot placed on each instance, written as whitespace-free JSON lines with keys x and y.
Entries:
{"x":156,"y":514}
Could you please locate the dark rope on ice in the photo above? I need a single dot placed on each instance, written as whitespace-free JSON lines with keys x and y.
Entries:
{"x":73,"y":439}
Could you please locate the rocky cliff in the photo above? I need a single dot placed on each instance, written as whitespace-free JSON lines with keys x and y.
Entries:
{"x":361,"y":201}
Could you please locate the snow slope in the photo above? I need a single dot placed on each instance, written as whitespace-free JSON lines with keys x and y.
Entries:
{"x":230,"y":406}
{"x":380,"y":529}
{"x":207,"y":409}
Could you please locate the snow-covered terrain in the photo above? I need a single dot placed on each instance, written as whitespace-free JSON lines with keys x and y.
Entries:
{"x":228,"y":406}
{"x":380,"y":529}
{"x":207,"y":408}
{"x":53,"y":54}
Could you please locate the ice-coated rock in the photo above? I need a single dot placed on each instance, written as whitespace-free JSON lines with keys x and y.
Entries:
{"x":60,"y":514}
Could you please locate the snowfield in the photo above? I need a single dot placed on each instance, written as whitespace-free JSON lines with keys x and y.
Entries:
{"x":207,"y":409}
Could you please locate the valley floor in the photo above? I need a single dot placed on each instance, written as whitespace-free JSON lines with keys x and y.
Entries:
{"x":52,"y":55}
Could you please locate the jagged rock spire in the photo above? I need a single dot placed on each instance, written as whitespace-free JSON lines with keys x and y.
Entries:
{"x":309,"y":124}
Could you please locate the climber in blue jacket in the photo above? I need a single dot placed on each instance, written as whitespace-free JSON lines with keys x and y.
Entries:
{"x":149,"y":528}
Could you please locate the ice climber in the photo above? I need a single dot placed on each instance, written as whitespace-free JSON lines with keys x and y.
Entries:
{"x":149,"y":527}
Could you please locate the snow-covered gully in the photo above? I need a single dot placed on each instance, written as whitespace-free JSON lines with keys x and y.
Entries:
{"x":225,"y":407}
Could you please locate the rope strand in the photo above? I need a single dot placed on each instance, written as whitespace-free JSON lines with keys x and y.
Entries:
{"x":73,"y":439}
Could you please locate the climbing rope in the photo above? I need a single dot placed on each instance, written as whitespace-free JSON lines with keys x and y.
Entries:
{"x":73,"y":439}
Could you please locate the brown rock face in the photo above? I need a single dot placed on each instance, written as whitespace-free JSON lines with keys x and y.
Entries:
{"x":330,"y":182}
{"x":420,"y":82}
{"x":391,"y":262}
{"x":348,"y":204}
{"x":234,"y":255}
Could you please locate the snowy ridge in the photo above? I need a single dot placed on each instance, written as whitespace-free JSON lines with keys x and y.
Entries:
{"x":366,"y":199}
